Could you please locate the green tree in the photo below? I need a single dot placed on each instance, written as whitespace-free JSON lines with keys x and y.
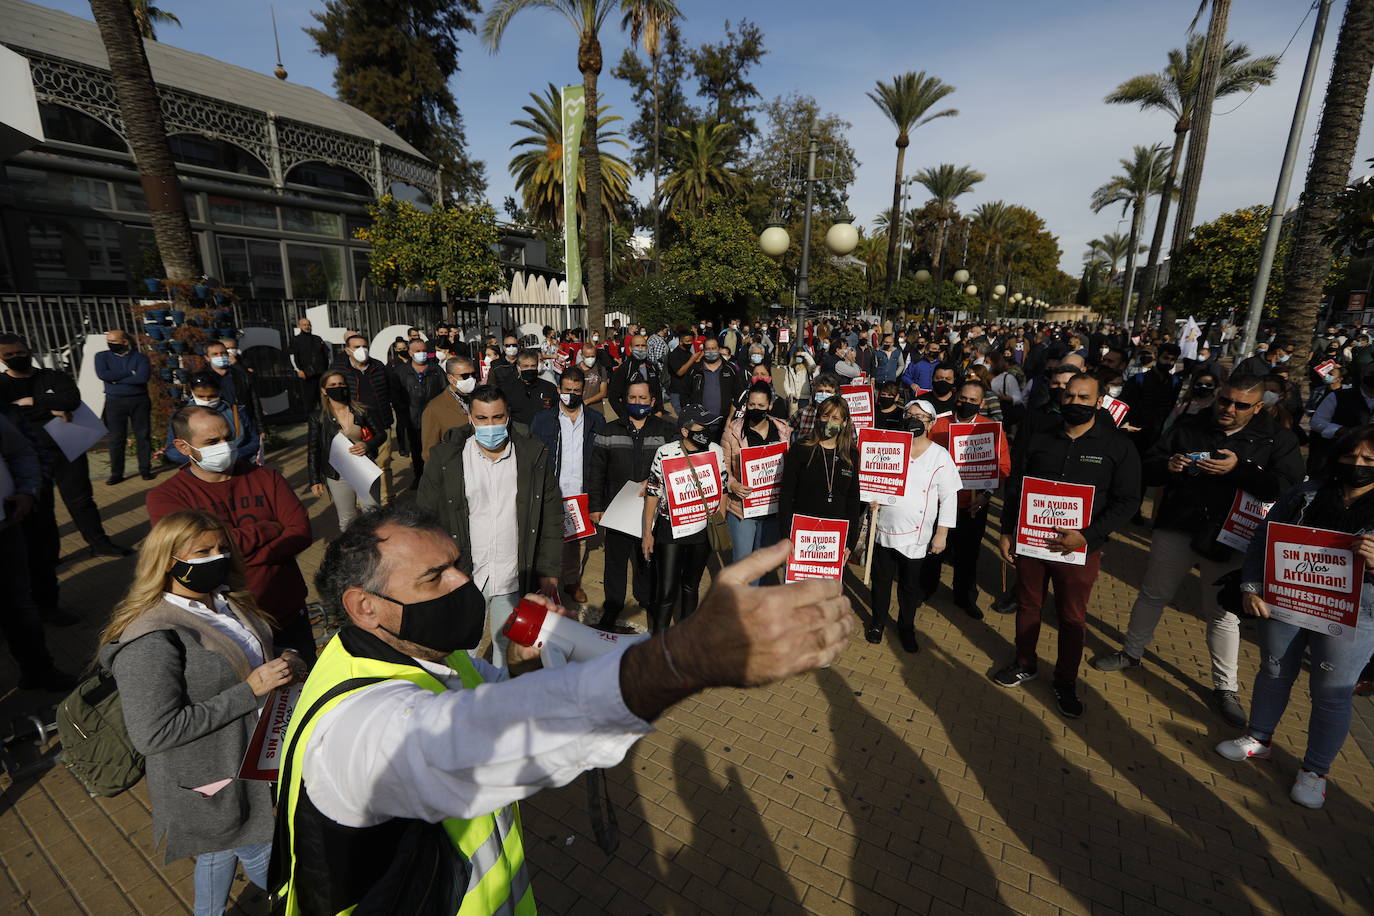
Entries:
{"x":1216,"y":268}
{"x":841,"y":287}
{"x":394,"y":61}
{"x":1353,"y":226}
{"x":781,"y":152}
{"x":648,"y":24}
{"x":586,"y":18}
{"x":1142,"y":177}
{"x":449,"y":249}
{"x":722,"y":72}
{"x":906,"y":101}
{"x":946,"y":183}
{"x":658,"y":100}
{"x":718,"y":264}
{"x":1173,"y":92}
{"x":994,"y":222}
{"x":702,"y":169}
{"x":656,"y":300}
{"x":538,"y":169}
{"x":149,"y":17}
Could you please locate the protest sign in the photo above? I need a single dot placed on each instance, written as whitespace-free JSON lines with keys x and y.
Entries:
{"x":784,"y":335}
{"x":1047,"y":505}
{"x":1324,"y":369}
{"x":976,"y":448}
{"x":1242,"y":521}
{"x":761,"y":471}
{"x":1313,"y":578}
{"x":577,"y":521}
{"x":266,"y":748}
{"x":860,"y":401}
{"x":883,"y":458}
{"x":1118,"y":409}
{"x":818,"y":546}
{"x":686,"y":514}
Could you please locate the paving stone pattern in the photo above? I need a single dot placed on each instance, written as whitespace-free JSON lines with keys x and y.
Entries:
{"x":886,"y":784}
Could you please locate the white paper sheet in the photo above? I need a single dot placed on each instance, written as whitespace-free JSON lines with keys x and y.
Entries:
{"x":358,"y":471}
{"x":84,"y":430}
{"x":626,"y":511}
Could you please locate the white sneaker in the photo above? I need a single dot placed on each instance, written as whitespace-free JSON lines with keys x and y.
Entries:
{"x":1309,"y":789}
{"x":1244,"y":748}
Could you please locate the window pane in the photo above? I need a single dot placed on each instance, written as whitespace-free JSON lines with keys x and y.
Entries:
{"x":37,"y":185}
{"x":362,"y":267}
{"x":209,"y":153}
{"x":354,"y":223}
{"x":234,"y":212}
{"x":316,"y":273}
{"x":312,"y":221}
{"x":252,"y":267}
{"x":71,"y":126}
{"x":130,"y":197}
{"x":67,"y":250}
{"x":329,"y":178}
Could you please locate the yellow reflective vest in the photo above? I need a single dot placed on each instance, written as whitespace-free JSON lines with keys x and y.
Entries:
{"x":463,"y":867}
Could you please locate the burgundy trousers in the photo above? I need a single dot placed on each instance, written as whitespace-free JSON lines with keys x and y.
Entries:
{"x":1073,"y":585}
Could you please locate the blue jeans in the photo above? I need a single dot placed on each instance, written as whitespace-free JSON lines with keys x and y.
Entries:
{"x":215,"y":875}
{"x":676,"y":400}
{"x":498,"y":610}
{"x":751,"y":534}
{"x":1336,"y":664}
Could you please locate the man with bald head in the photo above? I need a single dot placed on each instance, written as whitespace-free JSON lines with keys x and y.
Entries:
{"x":125,"y":373}
{"x":637,"y":366}
{"x":449,"y":409}
{"x":261,"y":511}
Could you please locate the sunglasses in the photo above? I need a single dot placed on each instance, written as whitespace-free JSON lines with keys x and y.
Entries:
{"x":464,"y":375}
{"x":1238,"y":405}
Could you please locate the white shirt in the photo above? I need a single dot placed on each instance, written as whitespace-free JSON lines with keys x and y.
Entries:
{"x":571,"y":431}
{"x":1007,"y":388}
{"x":490,"y":487}
{"x":465,"y":753}
{"x":931,"y":499}
{"x":221,"y":618}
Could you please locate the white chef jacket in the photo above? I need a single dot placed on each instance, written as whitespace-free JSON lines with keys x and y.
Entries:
{"x":400,"y":750}
{"x":931,"y":499}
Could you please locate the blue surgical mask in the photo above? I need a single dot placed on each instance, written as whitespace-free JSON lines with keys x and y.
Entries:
{"x":420,"y":358}
{"x":821,"y":396}
{"x":219,"y":362}
{"x":755,"y":358}
{"x":490,"y":437}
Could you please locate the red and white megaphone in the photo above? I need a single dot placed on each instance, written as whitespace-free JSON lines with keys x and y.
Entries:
{"x":561,"y":640}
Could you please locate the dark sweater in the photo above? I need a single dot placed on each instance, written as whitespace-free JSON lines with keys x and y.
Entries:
{"x":125,"y":375}
{"x":804,"y":489}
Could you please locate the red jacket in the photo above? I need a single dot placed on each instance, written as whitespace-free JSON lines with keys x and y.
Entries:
{"x":268,"y":522}
{"x":939,"y":434}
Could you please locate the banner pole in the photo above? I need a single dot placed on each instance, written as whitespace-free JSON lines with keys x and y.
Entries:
{"x":868,"y":554}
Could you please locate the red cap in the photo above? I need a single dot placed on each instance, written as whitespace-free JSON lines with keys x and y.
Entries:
{"x":524,"y":623}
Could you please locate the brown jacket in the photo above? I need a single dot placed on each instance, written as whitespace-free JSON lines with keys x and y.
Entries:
{"x":441,"y":414}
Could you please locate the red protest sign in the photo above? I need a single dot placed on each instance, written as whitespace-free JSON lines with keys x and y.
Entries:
{"x":975,"y":448}
{"x":698,"y":343}
{"x":1242,"y":521}
{"x":1047,"y":505}
{"x":760,"y":469}
{"x":685,"y":481}
{"x":1313,"y":578}
{"x":784,"y":335}
{"x":818,"y":546}
{"x":860,"y":401}
{"x":883,"y":458}
{"x":1324,"y":369}
{"x":266,"y":748}
{"x":1118,"y":409}
{"x":577,"y":520}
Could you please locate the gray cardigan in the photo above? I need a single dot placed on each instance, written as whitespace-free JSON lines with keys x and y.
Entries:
{"x":190,"y":711}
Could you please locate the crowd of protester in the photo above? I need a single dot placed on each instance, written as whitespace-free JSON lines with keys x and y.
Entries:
{"x":500,"y":429}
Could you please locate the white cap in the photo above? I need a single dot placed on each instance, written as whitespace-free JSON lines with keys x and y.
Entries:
{"x":925,"y":406}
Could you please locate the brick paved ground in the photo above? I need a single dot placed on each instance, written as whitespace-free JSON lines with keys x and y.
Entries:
{"x":885,"y":784}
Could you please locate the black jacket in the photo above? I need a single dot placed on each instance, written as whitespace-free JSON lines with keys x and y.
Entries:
{"x":320,"y":433}
{"x":804,"y":490}
{"x":675,"y":360}
{"x":310,"y":353}
{"x":51,"y":390}
{"x":732,"y":382}
{"x":524,"y":401}
{"x":371,"y":386}
{"x":1103,"y":457}
{"x":622,"y":453}
{"x":413,"y":391}
{"x":620,"y":382}
{"x":1270,"y":465}
{"x":1150,"y":396}
{"x":548,"y":430}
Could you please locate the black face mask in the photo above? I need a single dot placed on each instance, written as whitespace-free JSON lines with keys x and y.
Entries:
{"x":20,"y":363}
{"x":886,"y":402}
{"x":117,"y":348}
{"x":941,"y":388}
{"x":529,"y":376}
{"x":965,"y":411}
{"x":202,"y":577}
{"x":339,"y":395}
{"x":754,"y":416}
{"x":445,"y":624}
{"x":699,"y":437}
{"x":916,"y":426}
{"x":1077,"y":414}
{"x":1354,"y":475}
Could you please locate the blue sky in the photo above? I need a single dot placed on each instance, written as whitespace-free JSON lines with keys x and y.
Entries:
{"x":1030,"y":77}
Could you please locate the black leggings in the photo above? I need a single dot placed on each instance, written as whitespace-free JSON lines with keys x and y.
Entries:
{"x":678,"y":568}
{"x":889,"y":565}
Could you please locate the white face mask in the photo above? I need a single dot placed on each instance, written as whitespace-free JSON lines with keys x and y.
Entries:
{"x":589,"y":360}
{"x":1114,"y":390}
{"x":465,"y":385}
{"x":511,"y":351}
{"x":360,"y":354}
{"x":210,"y":402}
{"x":1270,"y":398}
{"x":216,"y":458}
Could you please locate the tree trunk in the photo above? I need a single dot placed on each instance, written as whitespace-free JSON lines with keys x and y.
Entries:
{"x":1201,"y":117}
{"x":589,"y":62}
{"x":657,"y":263}
{"x":1128,"y":282}
{"x":1343,"y":110}
{"x":894,"y":224}
{"x":1151,"y":272}
{"x":143,"y":125}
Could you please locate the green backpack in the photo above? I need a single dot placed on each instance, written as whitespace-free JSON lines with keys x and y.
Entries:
{"x":95,"y":741}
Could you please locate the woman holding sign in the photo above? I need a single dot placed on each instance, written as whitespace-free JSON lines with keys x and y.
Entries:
{"x":820,"y":476}
{"x":192,"y":656}
{"x":1341,"y":502}
{"x":753,"y":447}
{"x":681,"y":495}
{"x":338,"y":413}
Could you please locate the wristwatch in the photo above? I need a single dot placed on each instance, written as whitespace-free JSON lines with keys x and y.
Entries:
{"x":1250,"y":588}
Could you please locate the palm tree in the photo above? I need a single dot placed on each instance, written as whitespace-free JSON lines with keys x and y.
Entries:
{"x":1142,"y":178}
{"x":1172,"y":92}
{"x":905,"y":101}
{"x":946,"y":182}
{"x":143,"y":125}
{"x":148,"y":17}
{"x":538,"y":171}
{"x":1114,"y":246}
{"x":701,"y":156}
{"x":1342,"y":114}
{"x":647,"y":24}
{"x":996,"y":220}
{"x":586,"y":17}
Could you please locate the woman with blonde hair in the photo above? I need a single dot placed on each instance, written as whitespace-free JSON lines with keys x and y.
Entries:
{"x":339,"y":413}
{"x":820,"y":474}
{"x":192,"y":656}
